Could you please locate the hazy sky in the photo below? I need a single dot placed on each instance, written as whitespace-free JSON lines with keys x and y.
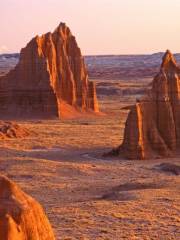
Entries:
{"x":100,"y":26}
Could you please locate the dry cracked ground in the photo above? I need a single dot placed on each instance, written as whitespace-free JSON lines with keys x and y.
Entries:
{"x":85,"y":196}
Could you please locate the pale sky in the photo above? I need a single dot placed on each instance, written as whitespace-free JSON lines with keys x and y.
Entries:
{"x":100,"y":26}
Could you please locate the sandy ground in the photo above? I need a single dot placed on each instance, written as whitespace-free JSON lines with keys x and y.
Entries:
{"x":86,"y":196}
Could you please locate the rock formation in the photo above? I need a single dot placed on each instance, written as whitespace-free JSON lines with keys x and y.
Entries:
{"x":153,"y":125}
{"x":21,"y":217}
{"x":12,"y":130}
{"x":50,"y":77}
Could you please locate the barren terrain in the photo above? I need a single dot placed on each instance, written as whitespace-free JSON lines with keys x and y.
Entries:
{"x":87,"y":196}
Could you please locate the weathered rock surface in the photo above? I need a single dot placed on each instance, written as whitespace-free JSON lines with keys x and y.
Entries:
{"x":21,"y":217}
{"x":153,"y":125}
{"x":12,"y":130}
{"x":50,"y":74}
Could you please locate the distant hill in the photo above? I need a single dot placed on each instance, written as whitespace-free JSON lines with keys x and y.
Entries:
{"x":124,"y":66}
{"x":7,"y":62}
{"x":9,"y":55}
{"x":107,"y":66}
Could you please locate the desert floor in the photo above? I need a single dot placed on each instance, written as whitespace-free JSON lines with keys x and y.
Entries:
{"x":84,"y":195}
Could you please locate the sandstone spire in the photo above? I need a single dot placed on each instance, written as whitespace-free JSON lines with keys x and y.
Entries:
{"x":153,"y":125}
{"x":168,"y":60}
{"x":21,"y":217}
{"x":51,"y":75}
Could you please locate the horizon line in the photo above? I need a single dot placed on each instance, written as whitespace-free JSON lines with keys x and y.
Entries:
{"x":109,"y":54}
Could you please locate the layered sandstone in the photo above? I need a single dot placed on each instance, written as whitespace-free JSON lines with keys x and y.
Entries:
{"x":21,"y":217}
{"x":153,"y":125}
{"x":50,"y":75}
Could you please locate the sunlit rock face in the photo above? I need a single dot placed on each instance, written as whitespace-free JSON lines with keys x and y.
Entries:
{"x":153,"y":125}
{"x":50,"y":77}
{"x":21,"y":217}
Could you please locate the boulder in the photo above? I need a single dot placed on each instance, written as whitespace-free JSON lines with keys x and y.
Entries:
{"x":21,"y":217}
{"x":12,"y":130}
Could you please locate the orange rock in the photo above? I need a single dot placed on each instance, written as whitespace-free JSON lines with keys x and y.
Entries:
{"x":12,"y":130}
{"x":21,"y":217}
{"x":153,"y":125}
{"x":51,"y":71}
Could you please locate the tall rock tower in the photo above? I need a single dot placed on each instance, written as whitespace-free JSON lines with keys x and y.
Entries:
{"x":50,"y":79}
{"x":153,"y":125}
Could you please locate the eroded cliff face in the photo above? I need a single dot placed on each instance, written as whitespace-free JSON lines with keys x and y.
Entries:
{"x":153,"y":125}
{"x":21,"y":217}
{"x":50,"y":75}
